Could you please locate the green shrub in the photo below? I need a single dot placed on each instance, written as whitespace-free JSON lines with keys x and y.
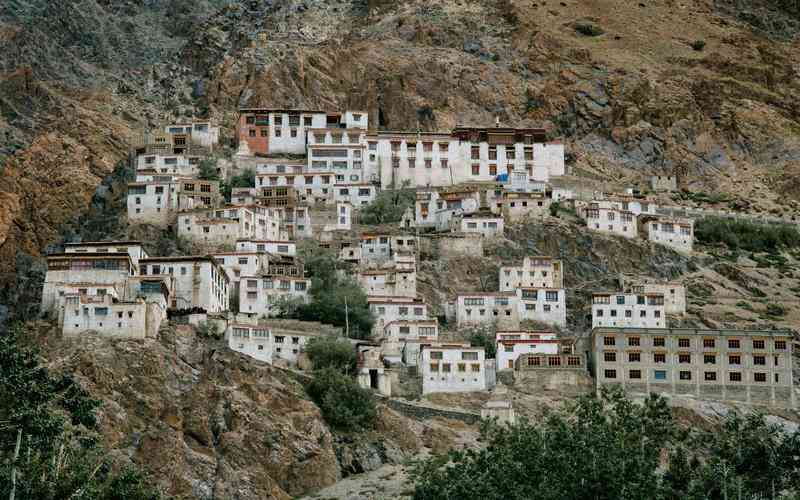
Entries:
{"x":775,"y":310}
{"x":209,"y":330}
{"x":345,"y":406}
{"x":746,"y":235}
{"x":554,"y":208}
{"x":330,"y":292}
{"x":207,"y":170}
{"x":588,"y":29}
{"x":331,"y":352}
{"x":698,"y":45}
{"x":388,"y":206}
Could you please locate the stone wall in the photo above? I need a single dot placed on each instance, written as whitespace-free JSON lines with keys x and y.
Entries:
{"x":569,"y":381}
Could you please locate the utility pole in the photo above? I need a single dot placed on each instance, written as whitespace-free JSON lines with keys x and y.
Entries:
{"x":14,"y":466}
{"x":346,"y":319}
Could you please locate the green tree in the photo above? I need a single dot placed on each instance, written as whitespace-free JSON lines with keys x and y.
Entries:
{"x":207,"y":170}
{"x":53,"y":418}
{"x":388,"y":206}
{"x":344,"y":405}
{"x":331,"y":352}
{"x":600,"y":448}
{"x":336,"y":298}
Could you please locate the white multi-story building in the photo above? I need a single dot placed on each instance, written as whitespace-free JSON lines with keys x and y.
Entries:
{"x":280,"y":131}
{"x":161,"y":164}
{"x":486,"y":224}
{"x":259,"y":295}
{"x":338,"y":151}
{"x":201,"y":133}
{"x":389,"y":282}
{"x":611,"y":220}
{"x":156,"y":200}
{"x":225,"y":226}
{"x":376,"y":248}
{"x":674,"y":292}
{"x":133,"y":248}
{"x":200,"y":282}
{"x":452,"y":368}
{"x":464,"y":155}
{"x":485,"y":308}
{"x":79,"y":271}
{"x":238,"y":264}
{"x":628,"y":310}
{"x":357,"y":194}
{"x":269,"y":342}
{"x":136,"y":313}
{"x":535,"y":272}
{"x":673,"y":232}
{"x":411,"y":329}
{"x":516,"y":206}
{"x":545,"y":305}
{"x":512,"y":343}
{"x":278,"y":247}
{"x":252,"y":340}
{"x":389,"y":309}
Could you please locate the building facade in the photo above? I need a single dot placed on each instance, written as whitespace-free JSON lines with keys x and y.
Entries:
{"x":452,"y":368}
{"x":535,"y":272}
{"x":729,"y":365}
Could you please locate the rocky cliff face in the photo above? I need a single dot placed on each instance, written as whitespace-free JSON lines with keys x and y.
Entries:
{"x":206,"y":422}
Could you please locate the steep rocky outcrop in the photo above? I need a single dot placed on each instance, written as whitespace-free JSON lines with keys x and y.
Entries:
{"x":203,"y":420}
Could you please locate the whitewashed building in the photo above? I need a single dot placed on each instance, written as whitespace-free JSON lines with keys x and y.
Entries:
{"x":180,"y":165}
{"x":673,"y":232}
{"x":545,"y":305}
{"x":611,"y":221}
{"x":674,"y":292}
{"x":485,"y":224}
{"x":278,"y":247}
{"x":486,"y":308}
{"x":258,"y":295}
{"x":535,"y":272}
{"x":464,"y":155}
{"x":628,"y":310}
{"x":513,"y":343}
{"x":253,"y":340}
{"x":389,"y":309}
{"x":200,"y":282}
{"x":517,"y":206}
{"x":452,"y":368}
{"x":226,"y":226}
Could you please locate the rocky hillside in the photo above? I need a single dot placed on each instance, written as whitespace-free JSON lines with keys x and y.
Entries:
{"x":205,"y":422}
{"x":707,"y":88}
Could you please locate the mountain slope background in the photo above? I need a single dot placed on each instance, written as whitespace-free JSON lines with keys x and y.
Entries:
{"x":79,"y":79}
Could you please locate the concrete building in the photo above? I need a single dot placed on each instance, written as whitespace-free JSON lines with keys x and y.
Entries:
{"x":611,"y":220}
{"x":728,"y":365}
{"x":452,"y":368}
{"x":278,"y":247}
{"x":674,"y":232}
{"x":200,"y":282}
{"x":674,"y":292}
{"x":134,"y":249}
{"x":535,"y":272}
{"x":511,"y":344}
{"x":251,"y":339}
{"x":628,"y":310}
{"x":545,"y":305}
{"x":275,"y":341}
{"x":487,"y":308}
{"x":485,"y":224}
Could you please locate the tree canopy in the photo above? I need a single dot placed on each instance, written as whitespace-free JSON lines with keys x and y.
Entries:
{"x":612,"y":448}
{"x":388,"y":206}
{"x":52,"y":418}
{"x":330,"y":291}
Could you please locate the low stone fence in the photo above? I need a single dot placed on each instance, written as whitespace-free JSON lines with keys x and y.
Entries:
{"x":426,"y":412}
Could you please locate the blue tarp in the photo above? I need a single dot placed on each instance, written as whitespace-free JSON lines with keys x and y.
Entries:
{"x":502,"y":178}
